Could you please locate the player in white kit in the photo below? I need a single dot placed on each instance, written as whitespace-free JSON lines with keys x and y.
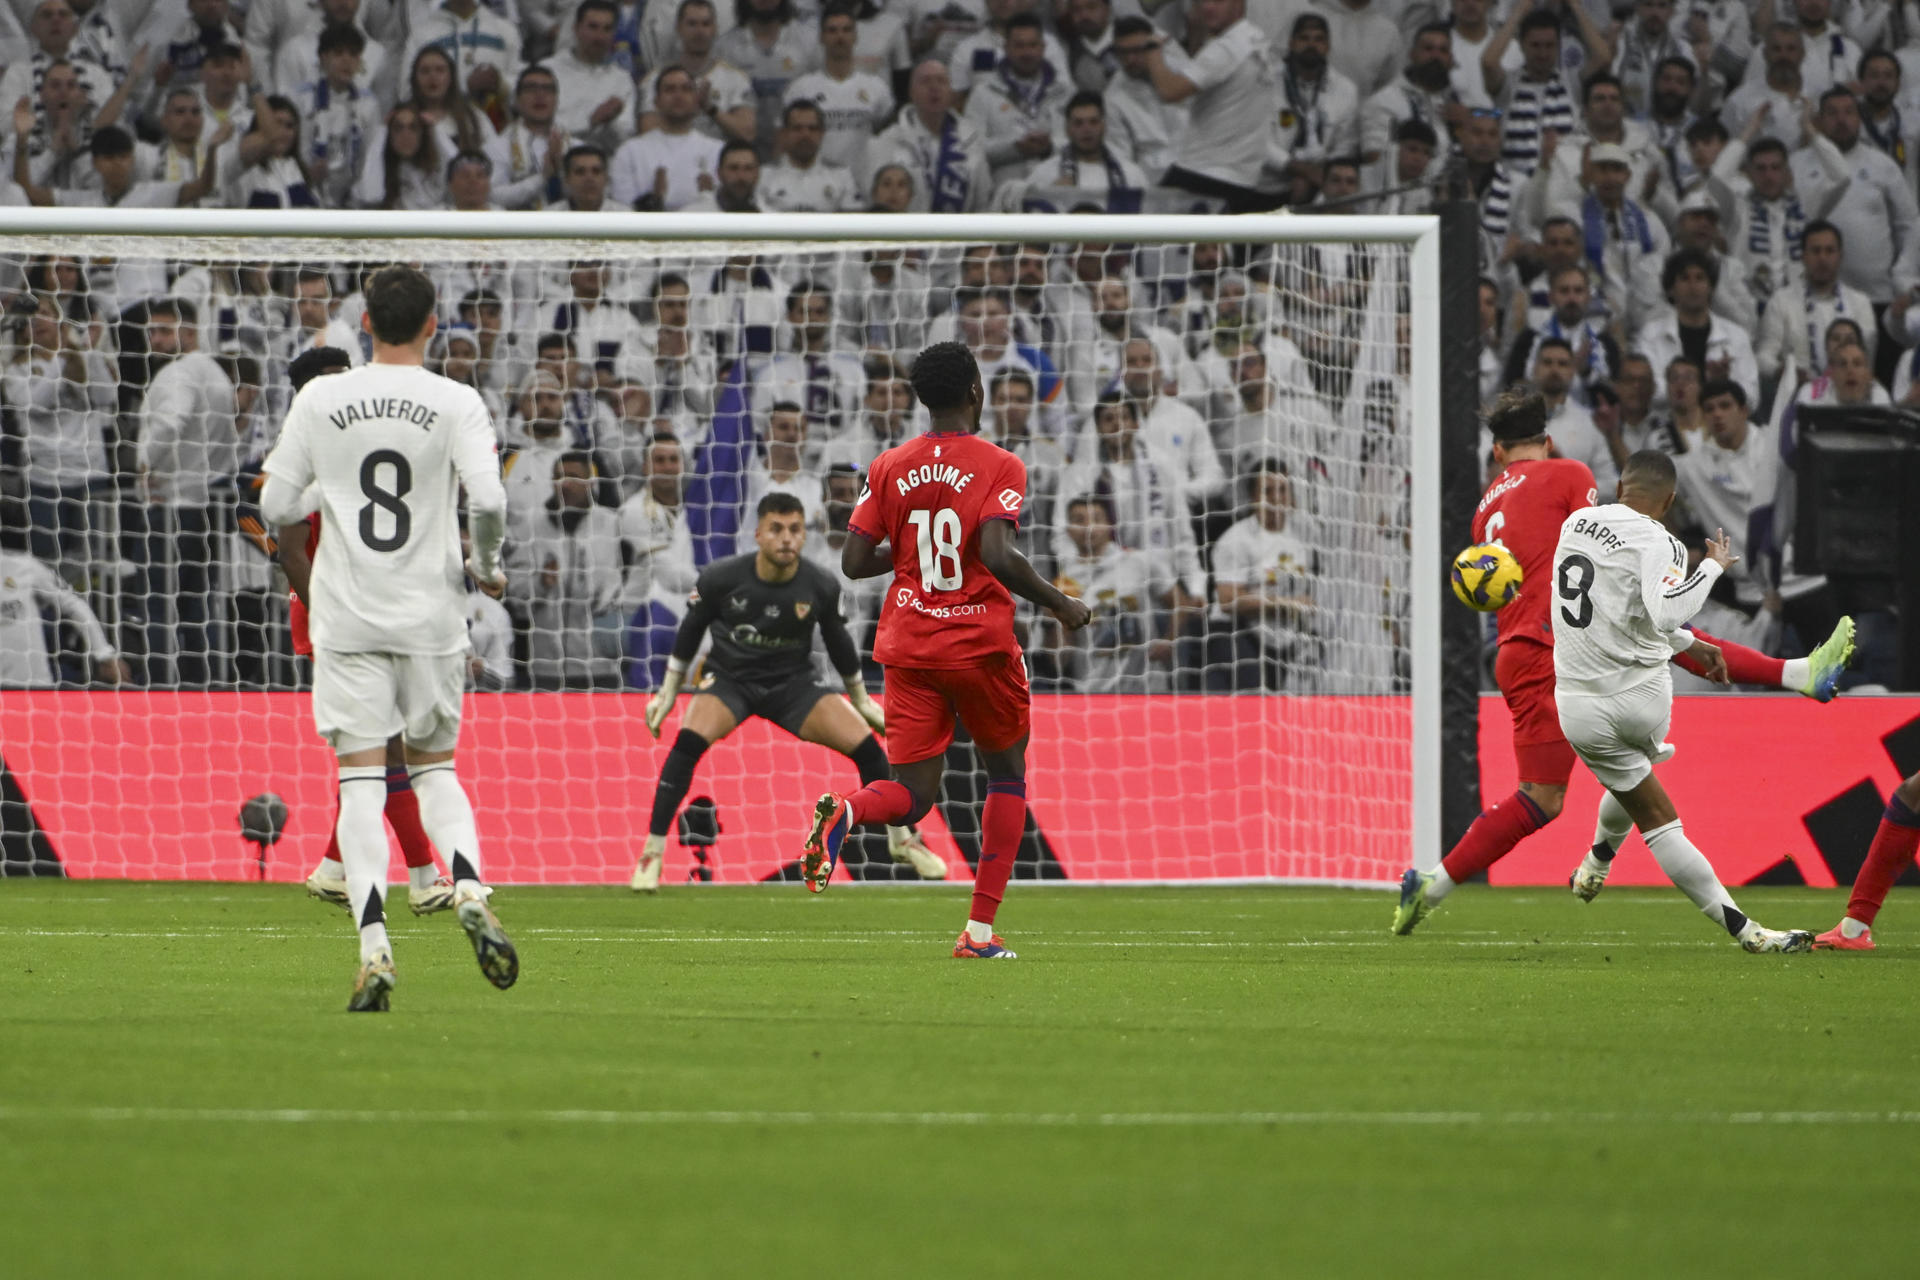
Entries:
{"x":382,"y":452}
{"x":1621,"y":598}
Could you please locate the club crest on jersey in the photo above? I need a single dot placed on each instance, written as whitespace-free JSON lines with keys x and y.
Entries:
{"x":1010,"y":499}
{"x":802,"y":608}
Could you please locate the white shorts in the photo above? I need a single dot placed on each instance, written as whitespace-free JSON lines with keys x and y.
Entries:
{"x":360,"y":700}
{"x":1619,"y":735}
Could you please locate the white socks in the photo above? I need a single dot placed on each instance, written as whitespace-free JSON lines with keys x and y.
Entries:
{"x":1440,"y":886}
{"x":1612,"y":825}
{"x":1795,"y":674}
{"x":1694,"y":876}
{"x":448,"y":818}
{"x":978,"y":933}
{"x":655,"y":847}
{"x":1851,"y":928}
{"x":362,"y":836}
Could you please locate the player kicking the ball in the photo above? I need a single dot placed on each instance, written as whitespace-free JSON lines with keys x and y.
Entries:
{"x":386,"y":449}
{"x":763,"y":609}
{"x":1622,"y":596}
{"x":427,"y":890}
{"x":1523,"y":510}
{"x":946,"y":503}
{"x":1890,"y":853}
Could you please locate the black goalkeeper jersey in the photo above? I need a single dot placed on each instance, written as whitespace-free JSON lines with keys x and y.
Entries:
{"x":763,"y":631}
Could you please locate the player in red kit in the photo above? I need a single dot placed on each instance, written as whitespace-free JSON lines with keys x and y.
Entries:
{"x":427,"y":890}
{"x":1890,"y":853}
{"x":939,"y":512}
{"x":1523,"y":510}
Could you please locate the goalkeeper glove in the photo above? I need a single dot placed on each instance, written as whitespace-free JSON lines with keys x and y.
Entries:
{"x":662,"y":702}
{"x":869,"y":709}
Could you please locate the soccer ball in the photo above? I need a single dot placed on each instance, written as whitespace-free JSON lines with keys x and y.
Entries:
{"x":1486,"y":577}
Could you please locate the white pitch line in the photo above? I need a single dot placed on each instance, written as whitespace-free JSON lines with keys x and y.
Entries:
{"x":952,"y":1119}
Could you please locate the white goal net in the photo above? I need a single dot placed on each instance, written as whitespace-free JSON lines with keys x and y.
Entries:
{"x":1229,"y":427}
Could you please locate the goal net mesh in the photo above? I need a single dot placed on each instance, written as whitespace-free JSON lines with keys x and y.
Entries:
{"x":1218,"y":443}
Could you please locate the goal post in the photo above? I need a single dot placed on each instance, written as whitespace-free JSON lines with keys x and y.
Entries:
{"x":1259,"y":699}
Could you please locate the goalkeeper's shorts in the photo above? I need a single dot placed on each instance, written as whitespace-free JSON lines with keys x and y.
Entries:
{"x":991,"y":700}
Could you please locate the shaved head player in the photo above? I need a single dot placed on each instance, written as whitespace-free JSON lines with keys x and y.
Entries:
{"x":939,"y":513}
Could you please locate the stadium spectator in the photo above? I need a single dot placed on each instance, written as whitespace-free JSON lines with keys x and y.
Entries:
{"x":1020,"y":106}
{"x":271,"y":174}
{"x":28,"y":589}
{"x":671,"y":164}
{"x":1569,"y":423}
{"x":583,"y":179}
{"x":1699,"y":229}
{"x":1146,"y":129}
{"x":980,"y":55}
{"x":1088,"y":28}
{"x":1319,"y":108}
{"x":1085,"y":162}
{"x":1644,"y":48}
{"x":1888,"y":123}
{"x":774,"y":50}
{"x":1799,"y":313}
{"x":59,"y":394}
{"x":340,"y":119}
{"x":1537,"y":100}
{"x":1264,"y":586}
{"x":116,"y":179}
{"x":540,"y":439}
{"x":298,"y":63}
{"x":944,"y":154}
{"x":828,"y":385}
{"x":188,"y":453}
{"x":180,"y":38}
{"x":1872,"y":206}
{"x":1232,"y":132}
{"x":856,"y":104}
{"x":657,"y":547}
{"x":780,"y":466}
{"x":482,"y":44}
{"x":1623,"y":242}
{"x":723,"y":96}
{"x":1109,"y":654}
{"x":1364,"y":44}
{"x":1596,"y":355}
{"x":470,"y":183}
{"x":736,"y":188}
{"x":564,"y":579}
{"x":1423,"y":91}
{"x":1778,"y":96}
{"x":406,"y":170}
{"x":526,"y":154}
{"x":597,"y":96}
{"x":800,"y":182}
{"x":1722,"y":348}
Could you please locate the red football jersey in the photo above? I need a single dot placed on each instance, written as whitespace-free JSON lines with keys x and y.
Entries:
{"x":930,"y":497}
{"x":1523,"y":511}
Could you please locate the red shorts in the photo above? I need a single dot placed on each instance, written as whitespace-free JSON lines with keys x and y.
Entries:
{"x":991,"y":700}
{"x":1525,"y":675}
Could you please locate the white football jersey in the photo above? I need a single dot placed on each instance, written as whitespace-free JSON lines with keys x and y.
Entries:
{"x":1621,"y":593}
{"x":388,"y":447}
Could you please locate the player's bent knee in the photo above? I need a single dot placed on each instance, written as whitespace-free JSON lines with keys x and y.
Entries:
{"x":870,"y":758}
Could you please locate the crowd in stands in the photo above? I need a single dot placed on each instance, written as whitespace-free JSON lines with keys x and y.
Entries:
{"x":1692,"y":222}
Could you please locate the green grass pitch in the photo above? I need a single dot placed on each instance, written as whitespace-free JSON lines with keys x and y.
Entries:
{"x":754,"y":1082}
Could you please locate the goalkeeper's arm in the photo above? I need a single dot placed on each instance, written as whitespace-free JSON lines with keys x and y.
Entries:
{"x":845,"y":657}
{"x":686,"y":643}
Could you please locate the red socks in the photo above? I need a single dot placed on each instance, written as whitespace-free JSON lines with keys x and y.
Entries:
{"x":1744,"y":665}
{"x":1492,"y":835}
{"x":403,"y":815}
{"x":883,"y":801}
{"x":1890,"y":854}
{"x":1002,"y":822}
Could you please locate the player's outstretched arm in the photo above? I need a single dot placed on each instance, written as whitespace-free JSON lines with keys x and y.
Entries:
{"x":860,"y":558}
{"x":1017,"y":574}
{"x":686,"y":643}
